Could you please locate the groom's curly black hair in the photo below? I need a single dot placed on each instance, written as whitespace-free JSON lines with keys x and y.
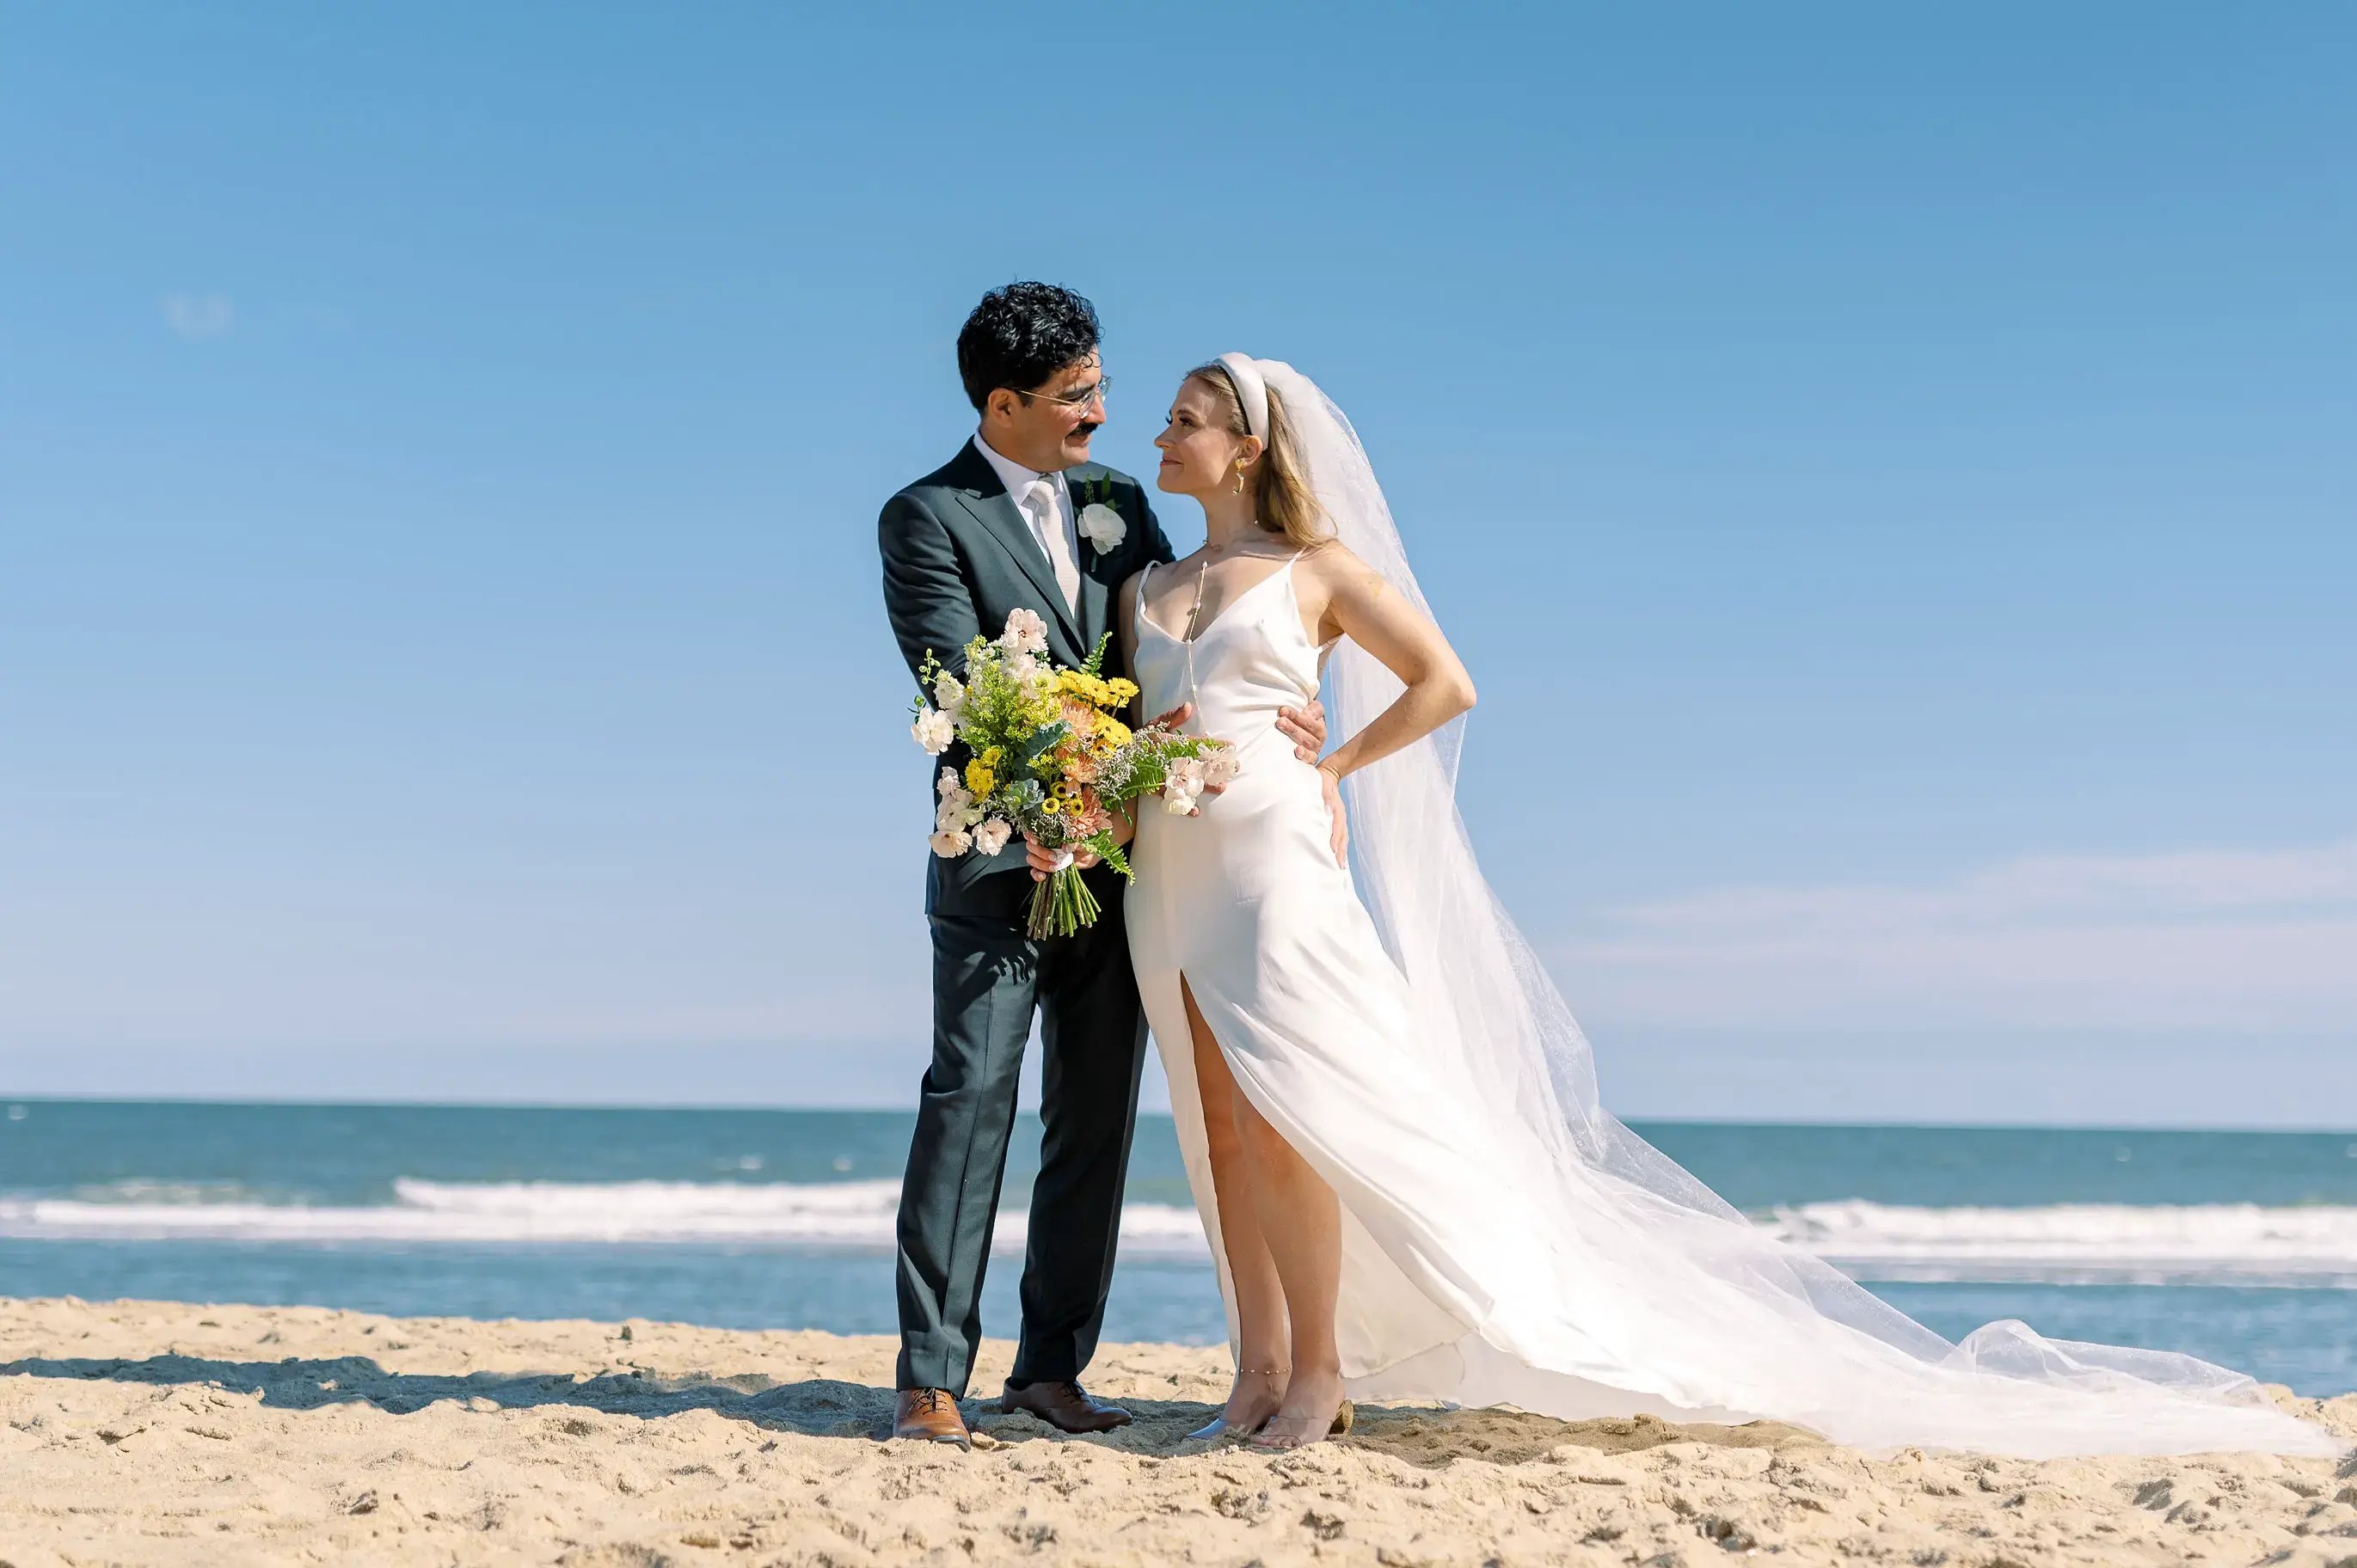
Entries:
{"x":1020,"y":335}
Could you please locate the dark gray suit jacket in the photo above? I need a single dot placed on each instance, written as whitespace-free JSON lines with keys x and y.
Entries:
{"x":958,"y":558}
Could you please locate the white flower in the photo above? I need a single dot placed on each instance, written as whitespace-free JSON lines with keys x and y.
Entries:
{"x":950,"y":844}
{"x":1220,"y":769}
{"x":1181,"y":785}
{"x":1103,"y":527}
{"x":1025,"y":633}
{"x":948,"y":696}
{"x":1036,"y":679}
{"x":958,"y":809}
{"x":933,"y":730}
{"x":992,"y":836}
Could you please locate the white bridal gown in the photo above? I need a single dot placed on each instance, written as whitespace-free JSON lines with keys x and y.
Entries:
{"x":1482,"y":1262}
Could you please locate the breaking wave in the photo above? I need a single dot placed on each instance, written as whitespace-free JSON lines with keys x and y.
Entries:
{"x":2063,"y":1243}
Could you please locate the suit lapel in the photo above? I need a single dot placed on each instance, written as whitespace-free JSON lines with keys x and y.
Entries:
{"x":979,"y":490}
{"x":1095,"y":589}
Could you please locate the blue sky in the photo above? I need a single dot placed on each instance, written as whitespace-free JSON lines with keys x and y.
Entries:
{"x":1889,"y":473}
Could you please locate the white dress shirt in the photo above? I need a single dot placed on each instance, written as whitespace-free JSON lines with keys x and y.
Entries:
{"x":1019,"y":480}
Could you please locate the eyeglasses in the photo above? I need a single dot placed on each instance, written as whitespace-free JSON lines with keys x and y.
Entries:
{"x":1095,"y":393}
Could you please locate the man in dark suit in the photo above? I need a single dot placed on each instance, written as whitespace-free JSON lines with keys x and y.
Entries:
{"x":996,"y":529}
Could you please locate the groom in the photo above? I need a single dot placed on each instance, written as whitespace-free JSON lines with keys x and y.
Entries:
{"x":992,"y":531}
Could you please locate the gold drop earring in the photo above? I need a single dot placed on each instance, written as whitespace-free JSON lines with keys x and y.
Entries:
{"x":1239,"y":479}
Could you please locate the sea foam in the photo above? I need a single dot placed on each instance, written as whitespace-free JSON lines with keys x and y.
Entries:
{"x":2070,"y":1242}
{"x":852,"y":1214}
{"x":2056,"y":1243}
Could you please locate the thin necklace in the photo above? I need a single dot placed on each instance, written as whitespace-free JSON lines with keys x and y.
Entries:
{"x":1195,"y":692}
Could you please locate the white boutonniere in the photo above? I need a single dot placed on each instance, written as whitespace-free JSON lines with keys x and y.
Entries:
{"x":1102,"y":526}
{"x":1099,"y":524}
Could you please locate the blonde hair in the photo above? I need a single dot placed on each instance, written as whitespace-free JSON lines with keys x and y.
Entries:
{"x":1282,"y":503}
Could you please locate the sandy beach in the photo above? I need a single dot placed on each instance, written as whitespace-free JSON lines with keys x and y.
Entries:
{"x":169,"y":1433}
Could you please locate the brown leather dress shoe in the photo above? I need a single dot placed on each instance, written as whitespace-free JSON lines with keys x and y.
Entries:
{"x":1065,"y":1406}
{"x":930,"y":1416}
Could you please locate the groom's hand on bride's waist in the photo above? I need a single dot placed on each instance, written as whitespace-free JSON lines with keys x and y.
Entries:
{"x":1306,"y":728}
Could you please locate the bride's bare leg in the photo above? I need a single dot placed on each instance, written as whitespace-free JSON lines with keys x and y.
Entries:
{"x":1302,"y":1225}
{"x":1260,"y":1296}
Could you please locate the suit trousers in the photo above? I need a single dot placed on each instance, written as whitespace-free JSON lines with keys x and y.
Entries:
{"x":989,"y":978}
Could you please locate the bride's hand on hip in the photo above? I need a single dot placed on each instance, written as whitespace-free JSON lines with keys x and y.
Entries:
{"x":1340,"y":838}
{"x":1306,"y":728}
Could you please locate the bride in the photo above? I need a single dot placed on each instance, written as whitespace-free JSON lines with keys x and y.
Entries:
{"x":1388,"y":1115}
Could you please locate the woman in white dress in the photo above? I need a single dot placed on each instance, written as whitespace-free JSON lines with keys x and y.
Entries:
{"x":1388,"y":1116}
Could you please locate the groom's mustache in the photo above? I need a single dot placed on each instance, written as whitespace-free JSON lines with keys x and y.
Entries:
{"x":1087,"y":427}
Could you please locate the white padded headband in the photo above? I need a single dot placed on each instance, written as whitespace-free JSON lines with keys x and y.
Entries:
{"x":1251,"y":390}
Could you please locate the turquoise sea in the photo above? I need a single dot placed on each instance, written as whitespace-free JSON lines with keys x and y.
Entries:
{"x":2240,"y":1247}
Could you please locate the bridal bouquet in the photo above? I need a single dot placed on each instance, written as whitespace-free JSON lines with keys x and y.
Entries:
{"x":1049,"y":756}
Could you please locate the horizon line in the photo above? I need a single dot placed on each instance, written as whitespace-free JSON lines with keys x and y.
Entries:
{"x":309,"y":1103}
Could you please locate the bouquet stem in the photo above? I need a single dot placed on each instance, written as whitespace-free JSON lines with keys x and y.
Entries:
{"x":1061,"y":904}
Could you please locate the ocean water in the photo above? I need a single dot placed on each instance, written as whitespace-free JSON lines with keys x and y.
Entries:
{"x":2239,"y":1247}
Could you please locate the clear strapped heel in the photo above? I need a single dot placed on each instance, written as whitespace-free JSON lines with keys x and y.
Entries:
{"x":1346,"y":1415}
{"x":1220,"y":1426}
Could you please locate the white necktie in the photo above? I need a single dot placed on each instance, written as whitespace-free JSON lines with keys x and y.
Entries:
{"x":1039,"y":504}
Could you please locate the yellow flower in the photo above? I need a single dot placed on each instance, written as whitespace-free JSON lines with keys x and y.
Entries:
{"x":1093,"y":690}
{"x":1124,"y":692}
{"x":979,"y":776}
{"x":1052,"y":806}
{"x":990,"y":756}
